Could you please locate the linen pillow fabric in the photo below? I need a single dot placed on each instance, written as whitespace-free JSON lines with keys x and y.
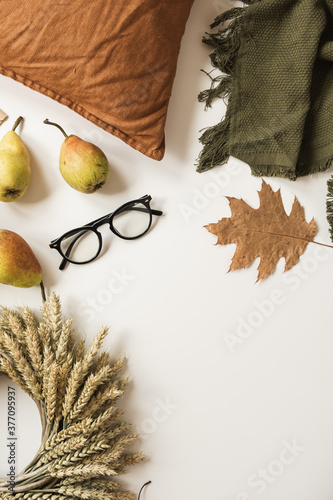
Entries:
{"x":111,"y":61}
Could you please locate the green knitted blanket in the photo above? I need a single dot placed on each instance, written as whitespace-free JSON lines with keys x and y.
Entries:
{"x":276,"y":59}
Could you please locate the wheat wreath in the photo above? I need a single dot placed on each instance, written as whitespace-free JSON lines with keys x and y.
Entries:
{"x":84,"y":440}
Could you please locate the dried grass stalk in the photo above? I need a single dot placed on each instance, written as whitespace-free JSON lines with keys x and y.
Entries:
{"x":84,"y":440}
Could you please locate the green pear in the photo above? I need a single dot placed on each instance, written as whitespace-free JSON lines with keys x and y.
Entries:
{"x":15,"y":169}
{"x":18,"y":264}
{"x":83,"y":165}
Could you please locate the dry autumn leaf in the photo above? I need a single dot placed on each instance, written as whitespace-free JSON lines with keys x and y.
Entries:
{"x":267,"y":232}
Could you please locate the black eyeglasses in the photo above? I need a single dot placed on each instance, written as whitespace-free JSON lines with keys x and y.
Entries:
{"x":84,"y":244}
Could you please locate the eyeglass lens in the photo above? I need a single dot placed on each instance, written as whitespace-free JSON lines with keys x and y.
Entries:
{"x":81,"y":246}
{"x":132,"y":221}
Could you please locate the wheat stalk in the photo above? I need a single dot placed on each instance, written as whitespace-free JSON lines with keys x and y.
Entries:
{"x":84,"y":440}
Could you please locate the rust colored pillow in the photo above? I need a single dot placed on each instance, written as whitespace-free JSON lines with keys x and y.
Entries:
{"x":111,"y":61}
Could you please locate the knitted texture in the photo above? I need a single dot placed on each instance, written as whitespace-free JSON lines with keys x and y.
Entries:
{"x":276,"y":57}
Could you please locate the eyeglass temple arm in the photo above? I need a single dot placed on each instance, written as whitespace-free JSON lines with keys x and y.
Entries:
{"x":154,"y":212}
{"x":64,"y":261}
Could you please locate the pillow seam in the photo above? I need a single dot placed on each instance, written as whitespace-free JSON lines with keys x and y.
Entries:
{"x":155,"y":154}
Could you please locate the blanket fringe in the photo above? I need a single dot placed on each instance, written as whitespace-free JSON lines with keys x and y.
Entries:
{"x":215,"y":150}
{"x":226,"y":44}
{"x":329,"y":206}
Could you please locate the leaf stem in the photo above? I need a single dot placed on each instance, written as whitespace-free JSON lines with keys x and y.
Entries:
{"x":291,"y":236}
{"x":322,"y":244}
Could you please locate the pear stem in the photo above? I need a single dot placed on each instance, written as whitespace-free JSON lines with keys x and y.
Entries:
{"x":47,"y":121}
{"x":16,"y":124}
{"x":42,"y":290}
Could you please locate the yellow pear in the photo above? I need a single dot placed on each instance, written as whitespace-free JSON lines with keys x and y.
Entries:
{"x":15,"y":169}
{"x":82,"y":164}
{"x":18,"y":264}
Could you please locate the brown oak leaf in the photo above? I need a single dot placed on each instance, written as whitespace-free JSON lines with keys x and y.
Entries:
{"x":266,"y":232}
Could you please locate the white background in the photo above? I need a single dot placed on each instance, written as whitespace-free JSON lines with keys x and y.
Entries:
{"x":216,"y":419}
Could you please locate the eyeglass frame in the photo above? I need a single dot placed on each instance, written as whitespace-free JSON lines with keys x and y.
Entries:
{"x":94,"y":225}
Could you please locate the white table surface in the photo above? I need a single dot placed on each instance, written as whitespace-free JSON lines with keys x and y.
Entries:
{"x":220,"y":419}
